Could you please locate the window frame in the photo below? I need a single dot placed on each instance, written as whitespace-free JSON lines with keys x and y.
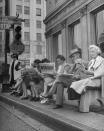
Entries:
{"x":19,"y":10}
{"x":38,"y":2}
{"x":26,"y":9}
{"x":39,"y":24}
{"x":38,"y":11}
{"x":26,"y":37}
{"x":39,"y":36}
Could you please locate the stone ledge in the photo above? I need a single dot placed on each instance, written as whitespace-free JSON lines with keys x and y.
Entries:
{"x":64,"y":119}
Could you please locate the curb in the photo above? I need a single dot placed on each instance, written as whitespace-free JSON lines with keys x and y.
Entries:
{"x":46,"y":117}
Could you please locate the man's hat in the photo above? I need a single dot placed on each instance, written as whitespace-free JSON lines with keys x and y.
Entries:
{"x":74,"y":51}
{"x":14,"y":56}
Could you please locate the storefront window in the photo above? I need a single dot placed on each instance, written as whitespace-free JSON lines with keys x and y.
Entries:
{"x":99,"y":23}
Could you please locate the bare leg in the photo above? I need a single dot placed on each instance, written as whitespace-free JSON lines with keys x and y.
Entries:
{"x":18,"y":83}
{"x":24,"y":90}
{"x":46,"y":83}
{"x":33,"y":90}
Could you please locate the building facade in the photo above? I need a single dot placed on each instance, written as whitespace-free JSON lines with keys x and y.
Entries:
{"x":33,"y":29}
{"x":71,"y":23}
{"x":2,"y":32}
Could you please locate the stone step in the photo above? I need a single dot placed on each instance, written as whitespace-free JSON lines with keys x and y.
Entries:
{"x":64,"y":119}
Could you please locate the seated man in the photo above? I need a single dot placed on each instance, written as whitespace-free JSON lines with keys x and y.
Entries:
{"x":65,"y":81}
{"x":49,"y":79}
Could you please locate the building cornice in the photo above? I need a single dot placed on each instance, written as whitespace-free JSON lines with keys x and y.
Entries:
{"x":57,"y":10}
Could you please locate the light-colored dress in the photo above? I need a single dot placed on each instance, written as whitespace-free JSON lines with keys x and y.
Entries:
{"x":95,"y":65}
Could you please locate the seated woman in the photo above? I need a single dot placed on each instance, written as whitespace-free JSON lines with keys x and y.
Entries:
{"x":31,"y":80}
{"x":95,"y":68}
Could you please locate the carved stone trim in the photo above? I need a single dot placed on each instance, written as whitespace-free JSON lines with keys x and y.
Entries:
{"x":94,"y":5}
{"x":63,"y":23}
{"x":74,"y":18}
{"x":48,"y":33}
{"x":83,"y":11}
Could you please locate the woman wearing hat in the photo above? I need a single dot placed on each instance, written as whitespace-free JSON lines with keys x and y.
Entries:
{"x":95,"y":70}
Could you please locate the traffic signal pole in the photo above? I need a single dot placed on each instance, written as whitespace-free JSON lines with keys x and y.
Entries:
{"x":6,"y":66}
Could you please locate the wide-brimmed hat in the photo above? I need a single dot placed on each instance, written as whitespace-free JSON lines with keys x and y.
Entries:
{"x":74,"y":51}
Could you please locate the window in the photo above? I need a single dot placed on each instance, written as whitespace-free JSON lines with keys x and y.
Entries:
{"x":38,"y":24}
{"x":19,"y":9}
{"x":56,"y":1}
{"x":26,"y":0}
{"x":0,"y":36}
{"x":99,"y":24}
{"x":39,"y":49}
{"x":26,"y":36}
{"x":27,"y":48}
{"x":75,"y":35}
{"x":27,"y":23}
{"x":38,"y":1}
{"x":39,"y":37}
{"x":38,"y":12}
{"x":20,"y":0}
{"x":1,"y":11}
{"x":26,"y":10}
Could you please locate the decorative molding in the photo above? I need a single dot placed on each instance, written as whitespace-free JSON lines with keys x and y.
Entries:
{"x":48,"y":33}
{"x":57,"y":10}
{"x":63,"y":23}
{"x":76,"y":16}
{"x":83,"y":11}
{"x":67,"y":12}
{"x":94,"y":5}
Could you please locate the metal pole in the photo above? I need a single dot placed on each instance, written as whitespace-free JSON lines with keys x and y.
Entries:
{"x":7,"y":12}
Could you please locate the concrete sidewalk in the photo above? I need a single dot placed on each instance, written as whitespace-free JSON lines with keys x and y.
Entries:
{"x":64,"y":119}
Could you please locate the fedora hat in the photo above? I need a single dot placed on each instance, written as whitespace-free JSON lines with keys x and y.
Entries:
{"x":74,"y":51}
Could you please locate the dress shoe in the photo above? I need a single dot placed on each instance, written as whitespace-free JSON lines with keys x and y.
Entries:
{"x":58,"y":106}
{"x":37,"y":99}
{"x":32,"y":98}
{"x":48,"y":96}
{"x":24,"y":98}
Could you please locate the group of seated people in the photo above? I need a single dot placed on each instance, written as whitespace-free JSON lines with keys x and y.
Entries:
{"x":76,"y":77}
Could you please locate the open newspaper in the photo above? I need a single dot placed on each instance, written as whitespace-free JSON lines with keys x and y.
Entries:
{"x":48,"y":69}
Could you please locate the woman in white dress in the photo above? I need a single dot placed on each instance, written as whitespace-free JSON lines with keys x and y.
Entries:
{"x":95,"y":71}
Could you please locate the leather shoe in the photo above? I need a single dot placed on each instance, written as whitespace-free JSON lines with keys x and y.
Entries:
{"x":58,"y":106}
{"x":24,"y":98}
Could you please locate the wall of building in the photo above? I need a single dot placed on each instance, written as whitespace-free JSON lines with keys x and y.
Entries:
{"x":76,"y":20}
{"x":2,"y":33}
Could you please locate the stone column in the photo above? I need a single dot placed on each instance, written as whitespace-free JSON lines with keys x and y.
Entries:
{"x":91,"y":29}
{"x":49,"y":44}
{"x":84,"y":34}
{"x":64,"y":39}
{"x":60,"y":44}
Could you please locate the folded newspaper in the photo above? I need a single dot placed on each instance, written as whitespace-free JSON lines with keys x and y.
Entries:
{"x":65,"y":75}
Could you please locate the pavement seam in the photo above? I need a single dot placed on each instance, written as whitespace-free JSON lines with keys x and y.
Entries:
{"x":20,"y":116}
